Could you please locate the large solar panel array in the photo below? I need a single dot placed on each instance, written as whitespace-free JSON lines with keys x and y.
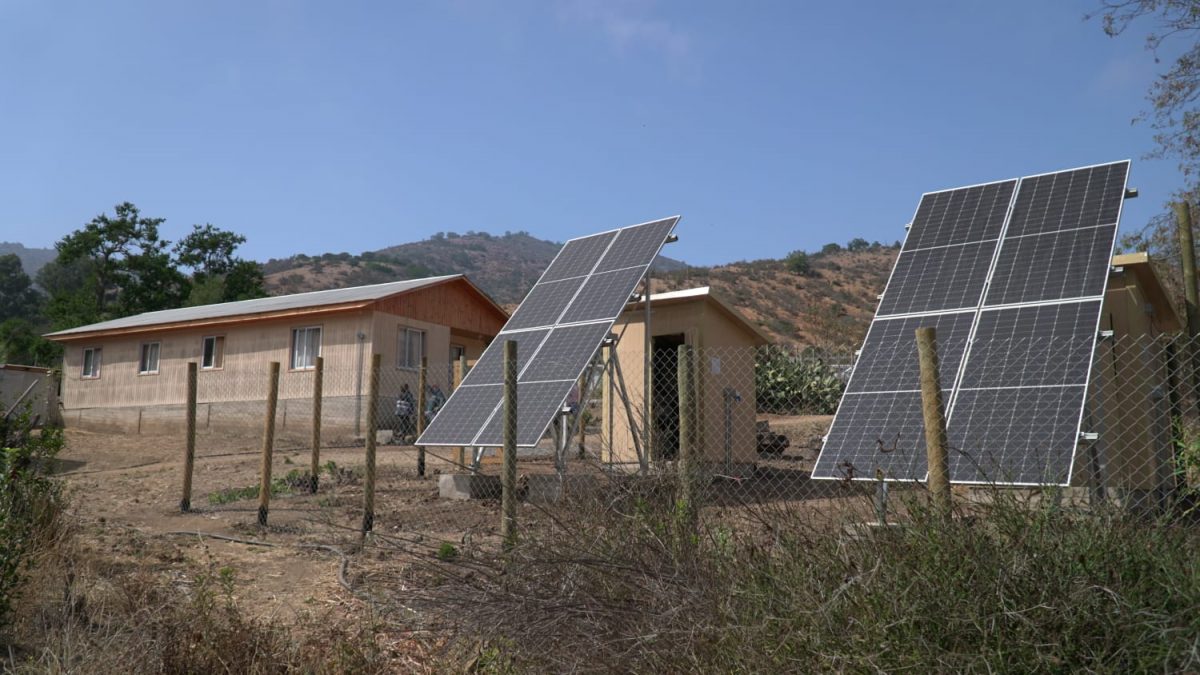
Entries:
{"x":558,"y":328}
{"x":1012,"y":275}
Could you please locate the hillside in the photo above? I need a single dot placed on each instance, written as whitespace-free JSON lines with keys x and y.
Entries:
{"x":830,"y":305}
{"x":32,"y":259}
{"x":505,"y":266}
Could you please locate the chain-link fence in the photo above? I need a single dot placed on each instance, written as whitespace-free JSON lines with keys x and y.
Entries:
{"x":757,"y":422}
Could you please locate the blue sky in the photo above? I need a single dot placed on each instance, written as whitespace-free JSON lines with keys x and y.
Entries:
{"x":349,"y":126}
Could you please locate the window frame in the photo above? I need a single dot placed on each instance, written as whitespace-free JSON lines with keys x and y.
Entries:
{"x":296,"y":331}
{"x":218,"y":352}
{"x":402,"y":337}
{"x":157,"y":345}
{"x":97,"y":363}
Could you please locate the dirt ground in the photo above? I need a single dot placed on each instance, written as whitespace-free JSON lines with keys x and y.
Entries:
{"x":125,"y":491}
{"x":126,"y":487}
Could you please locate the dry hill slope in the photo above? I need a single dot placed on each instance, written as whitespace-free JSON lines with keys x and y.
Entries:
{"x":830,"y":305}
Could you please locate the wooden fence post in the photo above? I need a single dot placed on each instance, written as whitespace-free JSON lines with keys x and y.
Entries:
{"x":687,"y":427}
{"x":460,"y":455}
{"x":421,"y":380}
{"x":508,"y":475}
{"x":264,"y":485}
{"x":318,"y":387}
{"x":189,"y":457}
{"x":935,"y":420}
{"x":372,"y":431}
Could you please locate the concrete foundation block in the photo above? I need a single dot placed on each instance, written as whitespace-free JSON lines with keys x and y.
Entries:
{"x":468,"y":486}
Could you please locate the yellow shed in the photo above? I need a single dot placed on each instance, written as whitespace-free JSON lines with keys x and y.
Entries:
{"x":724,"y":341}
{"x":1128,"y":405}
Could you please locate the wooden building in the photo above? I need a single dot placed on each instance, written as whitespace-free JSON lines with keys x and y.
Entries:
{"x":724,"y":341}
{"x":1128,"y":402}
{"x":130,"y":371}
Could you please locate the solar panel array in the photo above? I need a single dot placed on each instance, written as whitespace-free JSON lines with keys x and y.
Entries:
{"x":558,"y":328}
{"x":1012,"y":275}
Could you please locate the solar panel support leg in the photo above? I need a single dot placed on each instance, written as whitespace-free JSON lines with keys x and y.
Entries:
{"x":643,"y":460}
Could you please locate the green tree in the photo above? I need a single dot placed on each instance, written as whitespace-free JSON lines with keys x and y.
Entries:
{"x":72,"y":293}
{"x":18,"y":299}
{"x":858,"y":244}
{"x":132,"y":268}
{"x":831,"y":247}
{"x":798,"y":263}
{"x":218,"y":274}
{"x":21,"y":342}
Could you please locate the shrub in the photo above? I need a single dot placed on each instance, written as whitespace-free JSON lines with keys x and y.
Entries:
{"x":790,"y":383}
{"x":30,"y":501}
{"x":1006,"y":587}
{"x":798,"y":263}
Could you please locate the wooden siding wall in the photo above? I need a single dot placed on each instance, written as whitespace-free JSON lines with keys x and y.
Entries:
{"x":716,"y":336}
{"x":248,"y":348}
{"x":454,"y":304}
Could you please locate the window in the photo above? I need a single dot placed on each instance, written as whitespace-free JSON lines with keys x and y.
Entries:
{"x":412,"y":348}
{"x":306,"y":347}
{"x":91,"y":363}
{"x":148,"y":364}
{"x":213,"y":356}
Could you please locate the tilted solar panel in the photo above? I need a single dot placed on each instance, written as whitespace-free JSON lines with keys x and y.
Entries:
{"x":1017,"y":378}
{"x":558,"y":328}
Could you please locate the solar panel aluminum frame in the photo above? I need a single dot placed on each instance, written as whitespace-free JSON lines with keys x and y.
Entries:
{"x":475,"y":440}
{"x":981,"y":306}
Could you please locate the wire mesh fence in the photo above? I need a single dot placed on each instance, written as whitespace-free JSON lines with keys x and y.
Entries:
{"x":741,"y":429}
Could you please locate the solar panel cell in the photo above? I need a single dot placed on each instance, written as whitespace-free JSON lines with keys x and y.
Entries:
{"x":544,"y":304}
{"x":960,"y":216}
{"x":1036,"y":345}
{"x":490,"y":367}
{"x":937,"y":279}
{"x":1054,"y":266}
{"x":537,"y":404}
{"x":604,"y":295}
{"x":888,"y":361}
{"x":566,"y":352}
{"x":636,"y":246}
{"x":578,"y":257}
{"x":1069,"y":200}
{"x":1024,"y":436}
{"x":875,"y":431}
{"x":460,"y":418}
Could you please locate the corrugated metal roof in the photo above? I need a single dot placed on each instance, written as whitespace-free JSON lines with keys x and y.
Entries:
{"x":277,"y":303}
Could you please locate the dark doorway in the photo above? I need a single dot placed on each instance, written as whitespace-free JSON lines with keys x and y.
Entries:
{"x":665,"y":401}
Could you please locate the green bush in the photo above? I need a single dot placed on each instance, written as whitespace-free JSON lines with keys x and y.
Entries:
{"x":798,"y":263}
{"x":30,"y":501}
{"x":791,"y":383}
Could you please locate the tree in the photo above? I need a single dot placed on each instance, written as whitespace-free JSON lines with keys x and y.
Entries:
{"x":1173,"y":96}
{"x":72,"y":294}
{"x":831,"y":247}
{"x":858,"y":244}
{"x":21,"y":342}
{"x":133,"y":270}
{"x":798,"y":263}
{"x":218,"y":275}
{"x":18,"y":299}
{"x":208,"y":250}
